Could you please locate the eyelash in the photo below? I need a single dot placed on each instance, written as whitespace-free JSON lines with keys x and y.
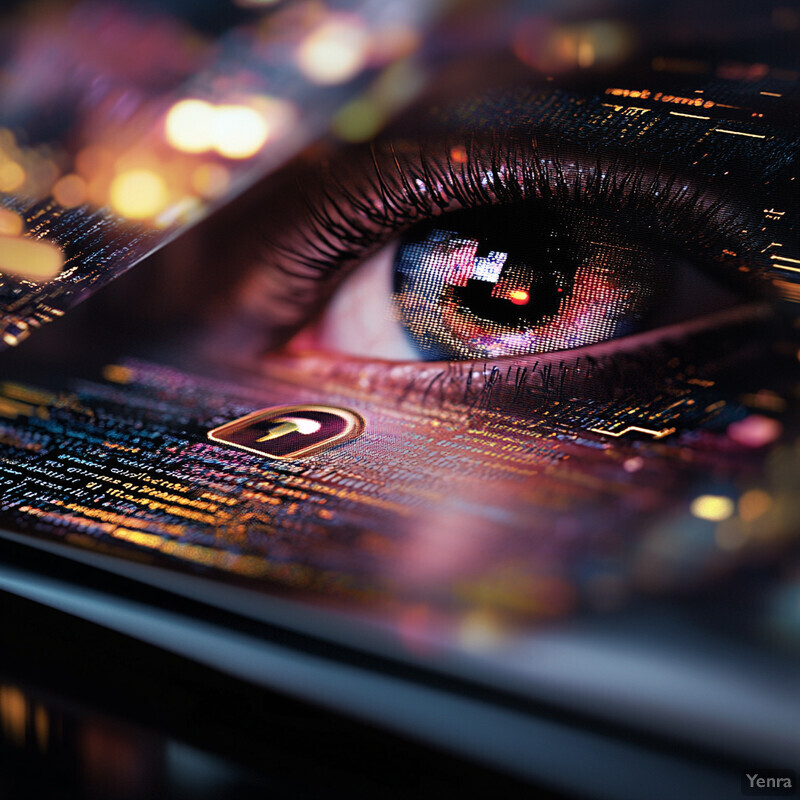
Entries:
{"x":398,"y":190}
{"x":390,"y":187}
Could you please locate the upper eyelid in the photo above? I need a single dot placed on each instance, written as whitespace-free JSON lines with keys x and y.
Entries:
{"x":395,"y":184}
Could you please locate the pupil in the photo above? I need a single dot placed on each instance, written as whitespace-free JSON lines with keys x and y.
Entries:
{"x":520,"y":274}
{"x":521,"y":297}
{"x":523,"y":278}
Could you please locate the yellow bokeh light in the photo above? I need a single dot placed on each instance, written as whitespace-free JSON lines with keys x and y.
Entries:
{"x":189,"y":126}
{"x":138,"y":193}
{"x":233,"y":130}
{"x":70,"y":191}
{"x":713,"y":507}
{"x":239,"y":131}
{"x":32,"y":259}
{"x":12,"y":176}
{"x":335,"y":51}
{"x":11,"y":223}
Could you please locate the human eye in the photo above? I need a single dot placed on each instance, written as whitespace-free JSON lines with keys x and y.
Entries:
{"x":474,"y":243}
{"x":511,"y":248}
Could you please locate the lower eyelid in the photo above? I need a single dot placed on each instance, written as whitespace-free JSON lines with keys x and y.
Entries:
{"x":595,"y":372}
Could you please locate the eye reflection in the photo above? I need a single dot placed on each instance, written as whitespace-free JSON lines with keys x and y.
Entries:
{"x":518,"y":280}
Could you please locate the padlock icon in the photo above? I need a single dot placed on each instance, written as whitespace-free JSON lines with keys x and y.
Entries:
{"x":290,"y":432}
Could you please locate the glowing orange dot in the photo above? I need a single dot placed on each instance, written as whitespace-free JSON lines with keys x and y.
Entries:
{"x":519,"y":297}
{"x":458,"y":155}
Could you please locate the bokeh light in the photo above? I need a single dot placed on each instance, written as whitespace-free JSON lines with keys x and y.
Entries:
{"x":713,"y":507}
{"x":335,"y":51}
{"x":13,"y":713}
{"x":233,"y":130}
{"x":12,"y":176}
{"x":32,"y":259}
{"x":755,"y":430}
{"x":189,"y":126}
{"x":70,"y":191}
{"x":27,"y":171}
{"x":11,"y":223}
{"x":754,"y":504}
{"x":239,"y":131}
{"x":138,"y":193}
{"x":560,"y":48}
